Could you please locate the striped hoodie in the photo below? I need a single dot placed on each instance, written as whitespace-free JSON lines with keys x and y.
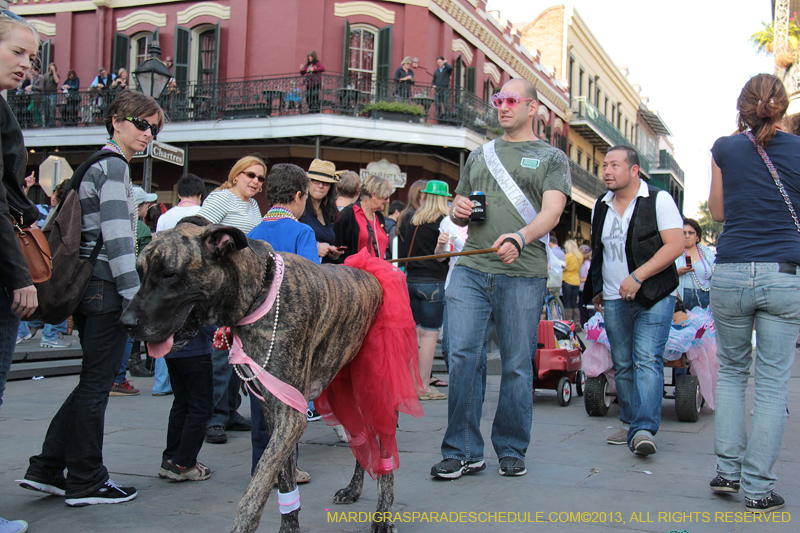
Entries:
{"x":108,"y":205}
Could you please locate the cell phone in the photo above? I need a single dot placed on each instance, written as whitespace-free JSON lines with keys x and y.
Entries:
{"x":688,"y":261}
{"x":341,"y":248}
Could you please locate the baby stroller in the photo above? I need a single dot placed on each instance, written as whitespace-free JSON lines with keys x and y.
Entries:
{"x":558,"y":361}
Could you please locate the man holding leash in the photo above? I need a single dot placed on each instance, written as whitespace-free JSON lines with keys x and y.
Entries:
{"x":637,"y":233}
{"x":526,"y":184}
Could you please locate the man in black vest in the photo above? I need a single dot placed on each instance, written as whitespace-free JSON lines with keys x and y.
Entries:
{"x":637,"y":233}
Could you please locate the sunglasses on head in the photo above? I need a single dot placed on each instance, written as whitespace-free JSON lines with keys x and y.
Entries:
{"x":142,"y":125}
{"x":253,"y":176}
{"x":511,"y":99}
{"x":10,"y":14}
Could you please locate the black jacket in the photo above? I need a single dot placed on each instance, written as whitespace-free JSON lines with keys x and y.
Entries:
{"x":13,"y":268}
{"x":641,"y":243}
{"x":442,"y":79}
{"x":346,"y":230}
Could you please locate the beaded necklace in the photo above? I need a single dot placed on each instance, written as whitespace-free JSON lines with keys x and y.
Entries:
{"x":112,"y":145}
{"x":278,"y":212}
{"x":706,"y":268}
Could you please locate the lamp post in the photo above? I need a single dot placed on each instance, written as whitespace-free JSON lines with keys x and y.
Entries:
{"x":152,"y":78}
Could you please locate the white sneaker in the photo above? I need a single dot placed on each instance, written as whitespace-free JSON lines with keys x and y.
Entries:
{"x":17,"y":526}
{"x":54,"y":344}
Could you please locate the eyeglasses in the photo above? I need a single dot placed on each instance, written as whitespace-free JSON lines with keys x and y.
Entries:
{"x":142,"y":125}
{"x":253,"y":176}
{"x":11,"y":15}
{"x":511,"y":99}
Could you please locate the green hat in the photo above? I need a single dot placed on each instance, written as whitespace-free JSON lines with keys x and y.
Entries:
{"x":436,"y":187}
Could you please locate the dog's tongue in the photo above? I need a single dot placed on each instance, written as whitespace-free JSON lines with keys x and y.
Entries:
{"x":159,"y":349}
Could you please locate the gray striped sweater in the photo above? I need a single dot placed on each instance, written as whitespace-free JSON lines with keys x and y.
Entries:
{"x":108,"y":205}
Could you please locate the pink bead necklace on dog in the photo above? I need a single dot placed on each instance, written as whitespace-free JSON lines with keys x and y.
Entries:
{"x":281,"y":390}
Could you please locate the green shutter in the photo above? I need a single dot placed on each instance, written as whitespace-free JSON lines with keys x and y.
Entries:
{"x":459,"y":70}
{"x":216,"y":52}
{"x":122,"y":48}
{"x":384,"y":62}
{"x":183,"y":38}
{"x":46,"y":55}
{"x":470,"y":82}
{"x":346,"y":54}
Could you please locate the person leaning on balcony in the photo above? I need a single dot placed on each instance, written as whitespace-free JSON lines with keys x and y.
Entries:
{"x":403,"y":79}
{"x":51,"y":81}
{"x":311,"y":70}
{"x":121,"y":82}
{"x":103,"y":80}
{"x":72,"y":86}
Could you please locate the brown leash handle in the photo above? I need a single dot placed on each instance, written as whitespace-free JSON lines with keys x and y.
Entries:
{"x":442,"y":256}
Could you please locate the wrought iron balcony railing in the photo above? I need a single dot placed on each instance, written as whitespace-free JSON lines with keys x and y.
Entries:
{"x":585,"y":180}
{"x":275,"y":96}
{"x":582,"y":108}
{"x":667,"y":162}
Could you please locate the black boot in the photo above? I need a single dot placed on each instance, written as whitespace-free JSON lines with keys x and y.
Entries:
{"x":136,"y":366}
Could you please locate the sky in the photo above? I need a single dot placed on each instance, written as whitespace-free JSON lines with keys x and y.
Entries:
{"x":690,"y":57}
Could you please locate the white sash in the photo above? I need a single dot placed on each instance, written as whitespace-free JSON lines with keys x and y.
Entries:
{"x":511,"y":189}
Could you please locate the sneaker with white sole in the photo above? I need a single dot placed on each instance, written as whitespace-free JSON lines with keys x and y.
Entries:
{"x":198,"y":472}
{"x":57,"y":488}
{"x":15,"y":526}
{"x":720,"y":484}
{"x":123,"y":389}
{"x":644,"y":445}
{"x":163,"y":471}
{"x":512,"y":466}
{"x":764,"y":505}
{"x":110,"y":492}
{"x":455,"y":468}
{"x":54,"y":344}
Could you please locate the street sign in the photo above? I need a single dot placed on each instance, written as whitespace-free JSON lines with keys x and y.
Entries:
{"x":53,"y":171}
{"x":167,"y":152}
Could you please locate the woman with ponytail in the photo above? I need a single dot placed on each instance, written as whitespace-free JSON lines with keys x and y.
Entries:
{"x":755,"y":191}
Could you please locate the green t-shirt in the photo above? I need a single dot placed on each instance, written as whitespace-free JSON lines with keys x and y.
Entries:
{"x":546,"y":168}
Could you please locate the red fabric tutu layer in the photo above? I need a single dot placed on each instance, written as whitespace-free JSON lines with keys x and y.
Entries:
{"x":381,"y":380}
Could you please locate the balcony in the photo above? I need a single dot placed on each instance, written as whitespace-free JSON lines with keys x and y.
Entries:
{"x":593,"y":126}
{"x":268,"y":97}
{"x":667,"y":164}
{"x":587,"y":182}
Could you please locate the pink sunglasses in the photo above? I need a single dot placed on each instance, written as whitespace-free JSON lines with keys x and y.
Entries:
{"x":511,"y":99}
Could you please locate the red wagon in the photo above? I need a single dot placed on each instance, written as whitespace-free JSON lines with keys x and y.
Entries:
{"x":557,"y":363}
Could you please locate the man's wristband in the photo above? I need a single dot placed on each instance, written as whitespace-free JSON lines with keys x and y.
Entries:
{"x":523,"y":239}
{"x":637,"y":280}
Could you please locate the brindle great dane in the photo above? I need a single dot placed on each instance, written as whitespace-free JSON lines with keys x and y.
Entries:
{"x":213,"y":275}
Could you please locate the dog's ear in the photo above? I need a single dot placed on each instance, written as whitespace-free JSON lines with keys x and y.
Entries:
{"x":197,"y":220}
{"x":220,"y":240}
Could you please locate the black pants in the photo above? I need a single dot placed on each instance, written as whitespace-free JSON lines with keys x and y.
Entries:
{"x":74,"y":439}
{"x":191,"y":383}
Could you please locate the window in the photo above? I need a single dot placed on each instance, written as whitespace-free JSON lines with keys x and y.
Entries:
{"x":597,"y":170}
{"x":580,"y":83}
{"x":590,"y":91}
{"x":203,"y":65}
{"x":580,"y":157}
{"x":361,"y":63}
{"x":613,"y":113}
{"x":619,"y":116}
{"x":469,"y":79}
{"x":626,"y":129}
{"x":588,"y":163}
{"x":597,"y":92}
{"x":569,"y":80}
{"x":140,"y":44}
{"x":207,"y":53}
{"x":605,"y":109}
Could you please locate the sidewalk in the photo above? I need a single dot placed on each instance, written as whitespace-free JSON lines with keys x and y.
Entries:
{"x":570,"y":469}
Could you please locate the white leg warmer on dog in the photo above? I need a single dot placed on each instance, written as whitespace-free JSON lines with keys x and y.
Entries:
{"x":289,"y":501}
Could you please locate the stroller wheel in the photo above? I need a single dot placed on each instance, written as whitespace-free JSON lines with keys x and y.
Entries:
{"x":580,"y":382}
{"x":564,"y":391}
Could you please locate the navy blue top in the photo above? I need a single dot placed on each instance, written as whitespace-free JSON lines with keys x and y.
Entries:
{"x":199,"y":345}
{"x":287,"y":235}
{"x":321,"y":233}
{"x":758,"y":226}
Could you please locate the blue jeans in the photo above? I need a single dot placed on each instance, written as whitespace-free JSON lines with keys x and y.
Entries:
{"x":49,"y":331}
{"x":695,"y":297}
{"x":226,"y":389}
{"x":427,"y":304}
{"x":162,"y":384}
{"x":476,"y":302}
{"x":9,"y":322}
{"x":74,"y":439}
{"x":126,"y":356}
{"x":638,"y":336}
{"x":743,"y":295}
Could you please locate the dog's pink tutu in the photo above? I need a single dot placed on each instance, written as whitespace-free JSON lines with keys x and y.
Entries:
{"x":382,"y":379}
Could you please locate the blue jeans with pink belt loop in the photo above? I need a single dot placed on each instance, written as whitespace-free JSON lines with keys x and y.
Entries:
{"x":744,"y":295}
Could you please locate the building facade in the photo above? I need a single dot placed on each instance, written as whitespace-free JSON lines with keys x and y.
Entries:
{"x":238,"y":90}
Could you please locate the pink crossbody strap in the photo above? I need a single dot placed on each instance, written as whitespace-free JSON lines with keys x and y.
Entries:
{"x":774,"y":174}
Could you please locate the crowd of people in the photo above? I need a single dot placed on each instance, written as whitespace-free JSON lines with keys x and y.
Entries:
{"x":643,"y":255}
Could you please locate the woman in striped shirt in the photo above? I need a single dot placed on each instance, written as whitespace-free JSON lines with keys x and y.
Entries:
{"x":232,"y":203}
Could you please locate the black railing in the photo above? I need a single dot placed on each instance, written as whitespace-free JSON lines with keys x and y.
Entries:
{"x":277,"y":96}
{"x":667,"y":162}
{"x":585,"y":180}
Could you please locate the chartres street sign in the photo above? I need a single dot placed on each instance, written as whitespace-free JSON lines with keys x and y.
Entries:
{"x":167,"y":152}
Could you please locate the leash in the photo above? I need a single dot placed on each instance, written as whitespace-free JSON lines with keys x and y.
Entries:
{"x":442,"y":256}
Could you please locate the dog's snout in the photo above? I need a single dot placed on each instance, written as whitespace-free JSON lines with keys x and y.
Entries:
{"x":128,"y":319}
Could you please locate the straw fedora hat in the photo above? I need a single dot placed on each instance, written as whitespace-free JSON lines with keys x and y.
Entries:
{"x":324,"y":171}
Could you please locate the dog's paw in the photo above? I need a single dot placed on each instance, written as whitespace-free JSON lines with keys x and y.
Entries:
{"x":346,"y":495}
{"x":383,"y":527}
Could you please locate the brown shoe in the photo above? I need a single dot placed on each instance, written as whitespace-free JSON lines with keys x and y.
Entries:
{"x":620,"y":437}
{"x":123,"y":389}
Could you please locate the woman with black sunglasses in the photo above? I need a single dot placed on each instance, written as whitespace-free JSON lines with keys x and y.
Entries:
{"x":74,"y":440}
{"x":233,"y":203}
